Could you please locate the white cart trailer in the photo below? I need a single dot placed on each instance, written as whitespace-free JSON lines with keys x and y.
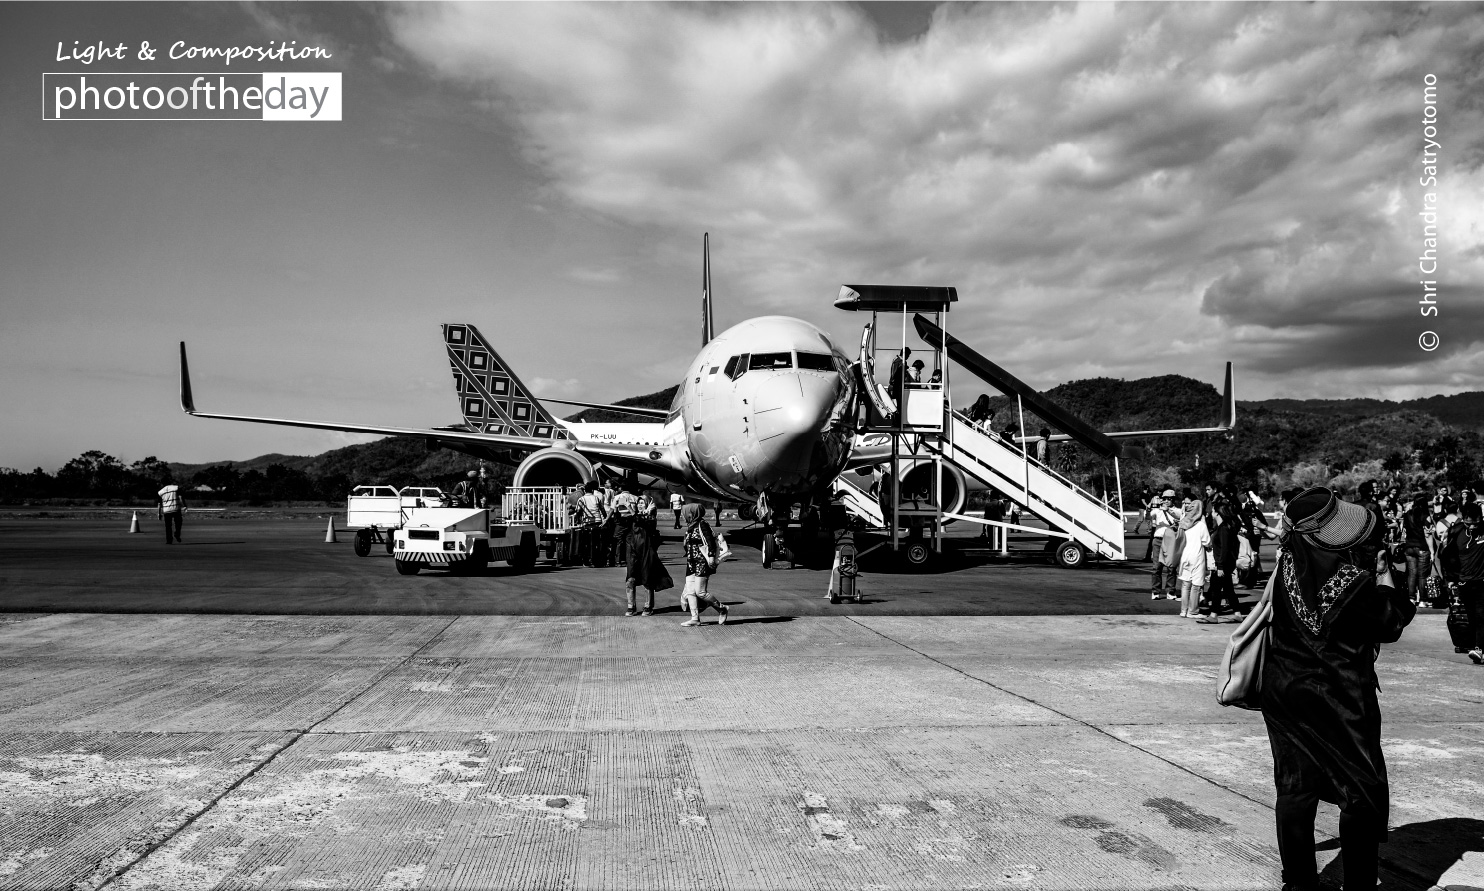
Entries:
{"x":375,"y":511}
{"x":462,"y":539}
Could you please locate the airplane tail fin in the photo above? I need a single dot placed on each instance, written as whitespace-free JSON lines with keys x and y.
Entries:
{"x":708,"y":321}
{"x":491,"y":398}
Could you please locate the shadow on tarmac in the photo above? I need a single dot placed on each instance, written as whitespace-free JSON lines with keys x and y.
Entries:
{"x":1430,"y":849}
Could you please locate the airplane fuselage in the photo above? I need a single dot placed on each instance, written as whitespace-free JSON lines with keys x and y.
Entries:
{"x":763,"y":408}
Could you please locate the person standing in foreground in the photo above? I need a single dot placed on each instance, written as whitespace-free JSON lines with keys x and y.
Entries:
{"x":1333,"y":604}
{"x":1463,"y":564}
{"x":700,"y":562}
{"x":170,"y":507}
{"x":643,"y":567}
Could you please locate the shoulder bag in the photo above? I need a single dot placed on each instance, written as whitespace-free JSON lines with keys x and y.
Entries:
{"x":1239,"y":678}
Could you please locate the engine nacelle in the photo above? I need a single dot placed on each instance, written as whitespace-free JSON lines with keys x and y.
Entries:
{"x":917,"y":479}
{"x":553,"y":467}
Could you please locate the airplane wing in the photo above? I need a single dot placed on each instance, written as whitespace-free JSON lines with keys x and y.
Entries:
{"x":628,"y":409}
{"x":647,"y":459}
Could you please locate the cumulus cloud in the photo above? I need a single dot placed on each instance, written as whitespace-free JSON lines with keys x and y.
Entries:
{"x":1114,"y":190}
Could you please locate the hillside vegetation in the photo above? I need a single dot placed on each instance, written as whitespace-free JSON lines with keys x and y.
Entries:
{"x":1277,"y":443}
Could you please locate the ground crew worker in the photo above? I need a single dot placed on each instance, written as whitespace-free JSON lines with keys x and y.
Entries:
{"x":466,"y":493}
{"x":677,"y":501}
{"x":594,"y":514}
{"x":170,"y":507}
{"x":625,"y":510}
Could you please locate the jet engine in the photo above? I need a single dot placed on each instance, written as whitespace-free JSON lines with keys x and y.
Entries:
{"x":917,"y":481}
{"x":553,"y":467}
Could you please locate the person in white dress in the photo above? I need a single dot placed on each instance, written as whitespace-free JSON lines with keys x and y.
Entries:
{"x":1195,"y":561}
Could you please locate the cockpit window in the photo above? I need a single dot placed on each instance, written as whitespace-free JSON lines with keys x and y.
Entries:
{"x":737,"y":366}
{"x":731,"y":366}
{"x":770,"y":361}
{"x":816,"y":362}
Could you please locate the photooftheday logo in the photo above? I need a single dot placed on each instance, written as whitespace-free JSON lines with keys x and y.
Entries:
{"x":270,"y":96}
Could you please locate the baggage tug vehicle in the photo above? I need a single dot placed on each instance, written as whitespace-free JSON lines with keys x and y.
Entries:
{"x":462,"y":539}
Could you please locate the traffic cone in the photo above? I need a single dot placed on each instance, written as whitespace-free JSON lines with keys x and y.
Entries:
{"x":330,"y":531}
{"x":134,"y":523}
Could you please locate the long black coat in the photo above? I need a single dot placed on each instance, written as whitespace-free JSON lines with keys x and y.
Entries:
{"x":1319,"y":688}
{"x":645,"y":566}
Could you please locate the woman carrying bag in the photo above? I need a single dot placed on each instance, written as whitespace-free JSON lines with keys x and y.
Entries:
{"x":1333,"y":602}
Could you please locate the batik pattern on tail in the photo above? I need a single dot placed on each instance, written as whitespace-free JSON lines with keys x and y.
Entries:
{"x":491,"y":398}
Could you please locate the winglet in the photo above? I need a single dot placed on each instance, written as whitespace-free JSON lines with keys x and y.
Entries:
{"x":187,"y":402}
{"x":1228,"y":401}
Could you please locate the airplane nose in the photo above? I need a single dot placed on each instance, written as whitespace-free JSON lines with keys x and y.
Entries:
{"x":789,"y":412}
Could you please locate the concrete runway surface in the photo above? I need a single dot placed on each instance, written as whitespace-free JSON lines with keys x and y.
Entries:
{"x":339,"y":726}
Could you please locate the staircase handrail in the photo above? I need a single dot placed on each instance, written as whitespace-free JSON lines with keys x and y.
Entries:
{"x":1034,"y":462}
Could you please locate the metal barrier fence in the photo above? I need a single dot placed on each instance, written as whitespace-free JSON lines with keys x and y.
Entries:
{"x":544,"y":505}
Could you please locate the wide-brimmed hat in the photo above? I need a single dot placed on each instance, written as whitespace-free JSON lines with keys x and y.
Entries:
{"x":1327,"y":522}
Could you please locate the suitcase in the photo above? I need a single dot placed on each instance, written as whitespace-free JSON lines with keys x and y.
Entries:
{"x":1458,"y":624}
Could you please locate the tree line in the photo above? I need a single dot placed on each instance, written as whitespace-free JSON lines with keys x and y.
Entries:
{"x":95,"y":476}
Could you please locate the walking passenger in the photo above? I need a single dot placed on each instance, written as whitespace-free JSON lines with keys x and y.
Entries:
{"x":1333,"y":603}
{"x":701,"y":556}
{"x":979,"y":413}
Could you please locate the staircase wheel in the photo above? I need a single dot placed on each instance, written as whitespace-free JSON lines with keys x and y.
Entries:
{"x":917,"y":554}
{"x":1070,"y":555}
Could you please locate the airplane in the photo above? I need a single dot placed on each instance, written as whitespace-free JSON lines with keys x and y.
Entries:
{"x":765,"y":416}
{"x":765,"y":412}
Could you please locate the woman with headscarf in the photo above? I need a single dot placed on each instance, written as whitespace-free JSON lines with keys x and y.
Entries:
{"x":1194,"y":545}
{"x":644,"y":566}
{"x":1333,"y":604}
{"x":700,"y":550}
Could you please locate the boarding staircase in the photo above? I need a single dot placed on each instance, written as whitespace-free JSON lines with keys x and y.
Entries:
{"x":927,"y":426}
{"x":858,"y":500}
{"x":1002,"y":464}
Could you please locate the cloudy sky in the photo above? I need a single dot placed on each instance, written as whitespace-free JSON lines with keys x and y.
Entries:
{"x":1115,"y":190}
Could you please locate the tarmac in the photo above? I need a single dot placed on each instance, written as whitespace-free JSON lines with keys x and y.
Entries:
{"x":259,"y":709}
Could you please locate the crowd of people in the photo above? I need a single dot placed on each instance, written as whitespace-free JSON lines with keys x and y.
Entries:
{"x":619,"y":526}
{"x":1204,"y":544}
